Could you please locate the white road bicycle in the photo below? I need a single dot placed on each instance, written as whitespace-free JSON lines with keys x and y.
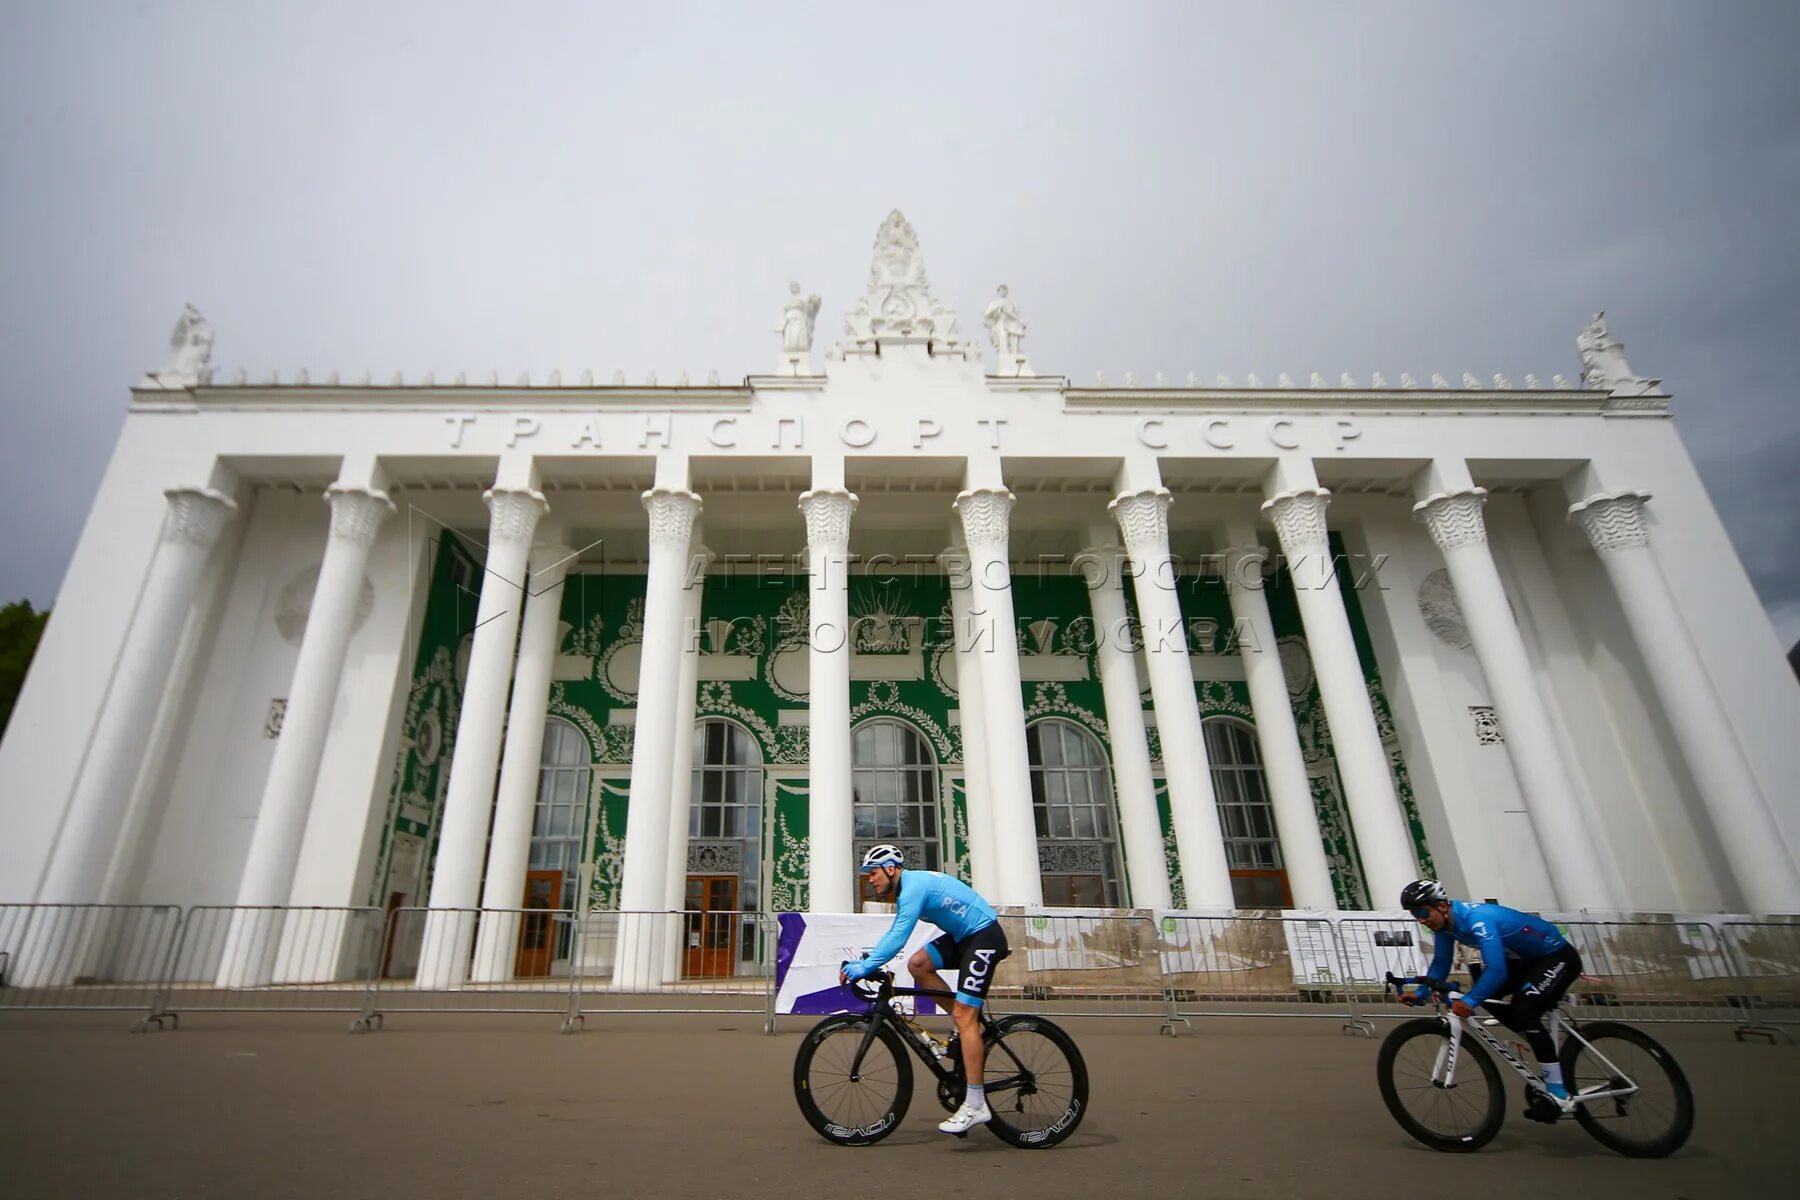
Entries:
{"x":1444,"y":1089}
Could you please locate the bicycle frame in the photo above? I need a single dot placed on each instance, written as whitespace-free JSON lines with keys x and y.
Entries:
{"x":1560,"y":1026}
{"x":880,"y":1012}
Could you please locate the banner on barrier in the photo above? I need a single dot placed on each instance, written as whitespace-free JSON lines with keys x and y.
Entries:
{"x":813,"y":945}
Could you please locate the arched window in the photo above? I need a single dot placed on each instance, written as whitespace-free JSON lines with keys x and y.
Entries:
{"x":1072,"y":801}
{"x":564,"y":776}
{"x":1246,"y":818}
{"x":724,"y":864}
{"x":896,"y":791}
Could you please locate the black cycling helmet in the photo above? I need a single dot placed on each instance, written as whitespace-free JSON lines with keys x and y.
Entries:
{"x":1422,"y":892}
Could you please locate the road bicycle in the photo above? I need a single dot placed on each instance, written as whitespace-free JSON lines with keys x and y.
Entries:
{"x":1624,"y":1088}
{"x":854,"y":1081}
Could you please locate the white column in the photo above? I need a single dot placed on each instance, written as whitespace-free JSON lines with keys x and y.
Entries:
{"x":84,"y":848}
{"x":1381,"y":834}
{"x":357,"y":514}
{"x":1143,"y":518}
{"x":644,"y":888}
{"x":1103,"y":568}
{"x":984,"y":869}
{"x":521,"y":766}
{"x":832,"y":873}
{"x":986,"y":514}
{"x":681,"y":754}
{"x":1761,"y":860}
{"x":1284,"y":767}
{"x":513,"y":515}
{"x":1456,"y":525}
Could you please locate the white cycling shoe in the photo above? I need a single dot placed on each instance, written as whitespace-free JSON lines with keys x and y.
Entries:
{"x":965,"y":1119}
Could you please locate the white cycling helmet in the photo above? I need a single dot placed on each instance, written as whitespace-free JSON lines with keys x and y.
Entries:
{"x":883,"y":855}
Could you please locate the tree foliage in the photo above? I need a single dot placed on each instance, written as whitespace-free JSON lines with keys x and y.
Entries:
{"x":20,"y":628}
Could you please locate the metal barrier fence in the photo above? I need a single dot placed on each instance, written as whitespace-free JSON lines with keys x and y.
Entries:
{"x":84,"y":956}
{"x":677,"y":962}
{"x":474,"y":960}
{"x":161,"y":962}
{"x":1765,"y":956}
{"x":232,"y":958}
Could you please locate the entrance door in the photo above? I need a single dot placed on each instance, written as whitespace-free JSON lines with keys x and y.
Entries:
{"x":537,"y":924}
{"x":712,"y":923}
{"x":1075,"y":890}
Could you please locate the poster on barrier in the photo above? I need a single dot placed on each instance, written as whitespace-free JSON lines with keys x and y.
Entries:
{"x":1200,"y":941}
{"x":811,"y":947}
{"x":1312,"y":948}
{"x":1376,"y":944}
{"x":1704,"y":945}
{"x":1081,"y":939}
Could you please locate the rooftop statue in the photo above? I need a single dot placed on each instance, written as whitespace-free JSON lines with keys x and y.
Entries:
{"x":1006,"y":330}
{"x":796,"y":329}
{"x":1603,"y":365}
{"x":190,"y":353}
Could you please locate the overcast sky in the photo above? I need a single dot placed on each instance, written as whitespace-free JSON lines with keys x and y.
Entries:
{"x":1175,"y":187}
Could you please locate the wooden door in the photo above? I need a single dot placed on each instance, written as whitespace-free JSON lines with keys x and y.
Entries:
{"x":712,"y":926}
{"x":537,"y":924}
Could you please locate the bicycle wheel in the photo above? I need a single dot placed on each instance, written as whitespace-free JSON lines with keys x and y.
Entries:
{"x":1654,"y":1120}
{"x":1037,"y":1083}
{"x":846,"y":1109}
{"x":1461,"y":1115}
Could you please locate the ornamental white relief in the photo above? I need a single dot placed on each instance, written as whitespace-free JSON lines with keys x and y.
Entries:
{"x":898,"y":302}
{"x":582,"y":719}
{"x":1454,"y":518}
{"x":618,"y":666}
{"x":196,"y":516}
{"x":986,"y":514}
{"x":1296,"y":665}
{"x":357,"y":514}
{"x":1052,"y":700}
{"x":277,"y":715}
{"x":672,"y":515}
{"x":1487,"y":725}
{"x":1613,"y":520}
{"x":294,"y":605}
{"x":513,"y":514}
{"x":1441,"y":612}
{"x":1143,"y":519}
{"x":828,"y":512}
{"x":884,"y":700}
{"x":1299,"y":519}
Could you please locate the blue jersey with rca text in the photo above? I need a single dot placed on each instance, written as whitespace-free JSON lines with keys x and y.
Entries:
{"x":935,"y":898}
{"x":1505,"y":936}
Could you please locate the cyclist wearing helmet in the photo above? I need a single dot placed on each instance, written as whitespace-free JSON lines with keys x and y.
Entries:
{"x":1523,"y":956}
{"x":973,"y":943}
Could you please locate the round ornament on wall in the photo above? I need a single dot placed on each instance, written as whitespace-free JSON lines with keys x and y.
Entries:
{"x":294,"y":604}
{"x":1442,"y":614}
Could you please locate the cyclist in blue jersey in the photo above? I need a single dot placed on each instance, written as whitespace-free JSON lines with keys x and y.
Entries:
{"x":1523,"y":957}
{"x":973,"y":944}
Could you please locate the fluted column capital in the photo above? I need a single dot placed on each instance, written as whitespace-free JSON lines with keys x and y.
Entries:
{"x":1299,"y":519}
{"x":673,"y":512}
{"x":986,"y":514}
{"x":357,"y":513}
{"x":1100,"y":565}
{"x":513,"y":514}
{"x":1613,"y":520}
{"x":196,"y":516}
{"x":1143,"y":518}
{"x":828,"y":512}
{"x":1454,"y":518}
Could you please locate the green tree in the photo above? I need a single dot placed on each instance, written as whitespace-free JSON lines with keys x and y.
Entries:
{"x":20,"y":629}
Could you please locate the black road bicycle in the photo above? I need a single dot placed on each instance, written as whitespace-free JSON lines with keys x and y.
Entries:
{"x":1624,"y":1088}
{"x":854,"y":1082}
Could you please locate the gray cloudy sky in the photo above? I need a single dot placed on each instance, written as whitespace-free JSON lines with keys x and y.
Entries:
{"x":1173,"y":187}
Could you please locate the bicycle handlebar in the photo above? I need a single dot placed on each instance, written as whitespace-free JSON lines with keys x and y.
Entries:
{"x":1442,"y":986}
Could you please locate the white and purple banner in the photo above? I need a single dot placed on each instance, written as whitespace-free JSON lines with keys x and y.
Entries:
{"x":813,"y":945}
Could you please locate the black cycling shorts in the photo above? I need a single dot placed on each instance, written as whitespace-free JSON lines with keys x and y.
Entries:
{"x":974,"y":958}
{"x":1534,"y":987}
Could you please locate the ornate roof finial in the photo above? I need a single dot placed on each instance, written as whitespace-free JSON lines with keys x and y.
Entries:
{"x":190,"y":353}
{"x":1502,"y":383}
{"x":1251,"y":380}
{"x":618,"y":379}
{"x":1439,"y":382}
{"x":1407,"y":381}
{"x":1533,"y":382}
{"x":1378,"y":380}
{"x":1223,"y":380}
{"x":1470,"y":382}
{"x":587,"y":378}
{"x":1603,"y":365}
{"x":555,"y":379}
{"x":899,"y":306}
{"x":1284,"y":380}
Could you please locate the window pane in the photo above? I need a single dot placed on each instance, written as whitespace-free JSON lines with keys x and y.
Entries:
{"x":1084,"y":822}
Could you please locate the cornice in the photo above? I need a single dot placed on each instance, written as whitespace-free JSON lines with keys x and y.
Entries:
{"x":440,"y":398}
{"x":1295,"y":400}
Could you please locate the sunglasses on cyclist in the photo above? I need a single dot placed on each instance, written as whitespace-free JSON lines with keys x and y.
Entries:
{"x":1419,"y":914}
